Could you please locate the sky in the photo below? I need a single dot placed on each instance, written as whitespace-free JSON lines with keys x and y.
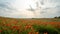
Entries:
{"x":30,"y":8}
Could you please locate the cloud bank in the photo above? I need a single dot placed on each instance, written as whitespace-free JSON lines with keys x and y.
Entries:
{"x":19,"y":8}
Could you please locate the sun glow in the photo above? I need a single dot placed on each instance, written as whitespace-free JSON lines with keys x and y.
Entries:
{"x":23,"y":4}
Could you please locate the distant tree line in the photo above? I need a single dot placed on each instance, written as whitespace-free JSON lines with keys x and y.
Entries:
{"x":57,"y":17}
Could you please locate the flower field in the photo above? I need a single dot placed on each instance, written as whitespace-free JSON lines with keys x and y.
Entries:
{"x":29,"y":26}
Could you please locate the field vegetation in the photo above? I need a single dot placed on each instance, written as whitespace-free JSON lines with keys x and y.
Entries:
{"x":29,"y":26}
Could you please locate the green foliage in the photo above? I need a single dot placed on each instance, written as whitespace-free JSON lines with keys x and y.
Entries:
{"x":51,"y":30}
{"x":48,"y":28}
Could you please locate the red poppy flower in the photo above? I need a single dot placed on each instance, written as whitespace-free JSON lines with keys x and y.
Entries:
{"x":0,"y":30}
{"x":15,"y":27}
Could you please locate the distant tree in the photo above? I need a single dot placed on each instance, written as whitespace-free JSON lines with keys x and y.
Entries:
{"x":56,"y":17}
{"x":59,"y":17}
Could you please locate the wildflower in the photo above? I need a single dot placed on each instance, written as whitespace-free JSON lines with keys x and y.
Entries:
{"x":15,"y":27}
{"x":8,"y":24}
{"x":37,"y":33}
{"x":30,"y":33}
{"x":15,"y":22}
{"x":0,"y":30}
{"x":28,"y":27}
{"x":45,"y":33}
{"x":4,"y":28}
